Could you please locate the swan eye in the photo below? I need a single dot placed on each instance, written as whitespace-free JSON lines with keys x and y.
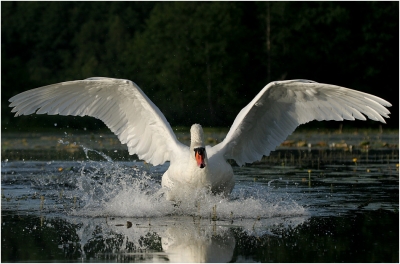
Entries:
{"x":200,"y":151}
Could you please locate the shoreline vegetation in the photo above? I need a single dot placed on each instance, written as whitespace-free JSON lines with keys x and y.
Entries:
{"x":348,"y":129}
{"x":311,"y":146}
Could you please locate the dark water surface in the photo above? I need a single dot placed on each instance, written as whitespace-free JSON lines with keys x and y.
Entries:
{"x":335,"y":200}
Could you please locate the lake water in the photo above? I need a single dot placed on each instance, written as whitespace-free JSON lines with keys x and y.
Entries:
{"x":318,"y":198}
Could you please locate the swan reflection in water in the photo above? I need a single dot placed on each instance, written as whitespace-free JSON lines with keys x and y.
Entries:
{"x":178,"y":239}
{"x":198,"y":244}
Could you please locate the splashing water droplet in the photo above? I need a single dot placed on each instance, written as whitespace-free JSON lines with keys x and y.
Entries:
{"x":132,"y":188}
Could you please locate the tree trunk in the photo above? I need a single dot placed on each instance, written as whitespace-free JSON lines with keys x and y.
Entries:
{"x":209,"y":95}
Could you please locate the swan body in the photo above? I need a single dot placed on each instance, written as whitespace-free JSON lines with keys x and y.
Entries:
{"x":257,"y":130}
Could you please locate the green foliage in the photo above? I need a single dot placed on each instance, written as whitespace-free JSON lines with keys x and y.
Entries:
{"x":200,"y":61}
{"x":187,"y":60}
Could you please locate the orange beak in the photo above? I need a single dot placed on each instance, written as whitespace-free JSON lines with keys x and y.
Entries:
{"x":200,"y":154}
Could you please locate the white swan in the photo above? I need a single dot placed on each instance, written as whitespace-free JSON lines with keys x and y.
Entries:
{"x":258,"y":129}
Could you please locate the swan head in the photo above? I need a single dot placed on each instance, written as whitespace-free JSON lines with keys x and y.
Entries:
{"x":197,"y":147}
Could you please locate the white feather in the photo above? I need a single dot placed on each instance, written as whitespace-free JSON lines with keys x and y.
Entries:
{"x":287,"y":104}
{"x":116,"y":102}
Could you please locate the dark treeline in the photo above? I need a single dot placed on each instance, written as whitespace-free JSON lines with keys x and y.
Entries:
{"x":199,"y":61}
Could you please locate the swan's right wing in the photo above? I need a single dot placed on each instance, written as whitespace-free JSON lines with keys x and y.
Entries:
{"x":120,"y":104}
{"x":283,"y":105}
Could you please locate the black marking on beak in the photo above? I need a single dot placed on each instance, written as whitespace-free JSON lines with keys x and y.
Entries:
{"x":200,"y":154}
{"x":200,"y":150}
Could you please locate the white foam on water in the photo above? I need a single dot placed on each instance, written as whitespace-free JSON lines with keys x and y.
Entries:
{"x":122,"y":190}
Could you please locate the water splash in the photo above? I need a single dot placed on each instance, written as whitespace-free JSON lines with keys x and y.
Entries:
{"x":86,"y":150}
{"x":132,"y":190}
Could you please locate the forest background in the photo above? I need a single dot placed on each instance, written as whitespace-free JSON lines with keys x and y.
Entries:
{"x":198,"y":61}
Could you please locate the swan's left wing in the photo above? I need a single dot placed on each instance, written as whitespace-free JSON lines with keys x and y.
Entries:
{"x":119,"y":103}
{"x":283,"y":105}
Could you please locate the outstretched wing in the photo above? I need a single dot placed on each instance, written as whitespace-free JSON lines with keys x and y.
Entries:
{"x":120,"y":104}
{"x":283,"y":105}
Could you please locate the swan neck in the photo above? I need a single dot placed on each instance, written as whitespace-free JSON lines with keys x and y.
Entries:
{"x":196,"y":136}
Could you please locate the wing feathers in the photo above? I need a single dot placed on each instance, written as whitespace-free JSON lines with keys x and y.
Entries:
{"x":281,"y":106}
{"x":120,"y":104}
